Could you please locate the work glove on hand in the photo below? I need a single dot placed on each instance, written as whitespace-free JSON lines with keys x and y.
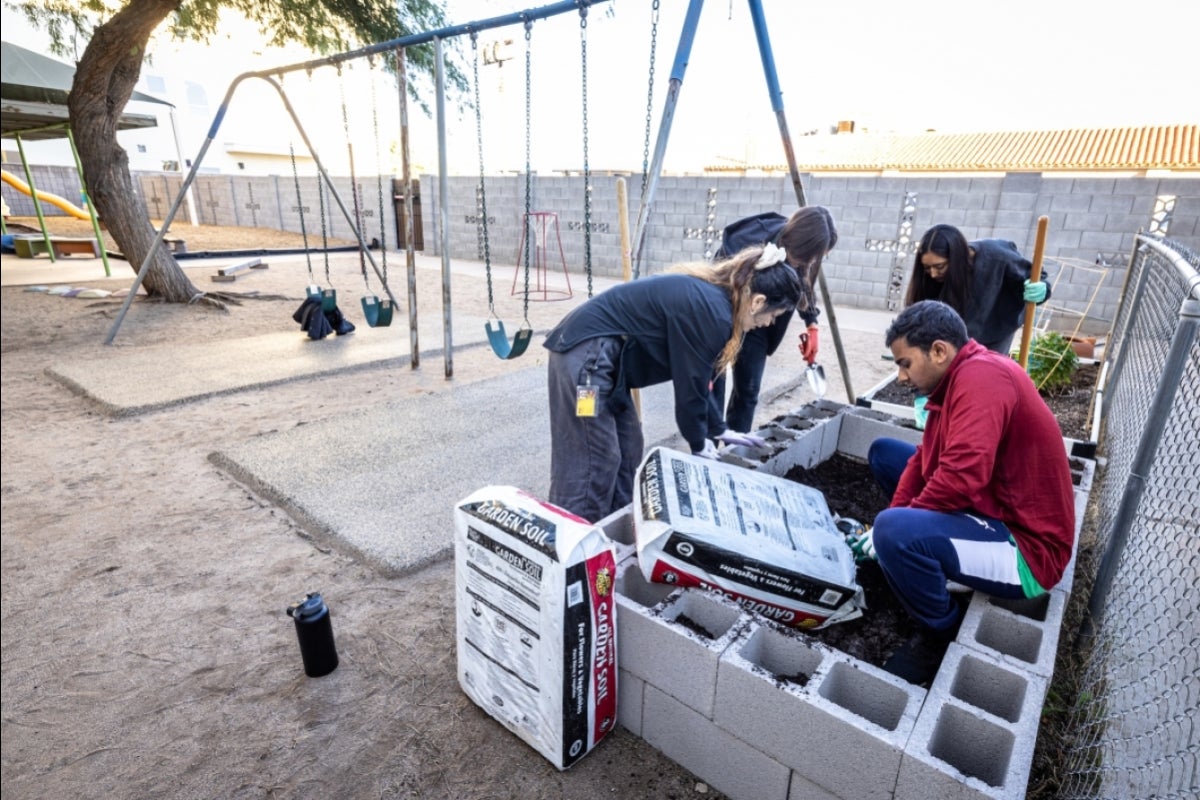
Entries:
{"x":1035,"y":291}
{"x":708,"y":451}
{"x":862,"y":545}
{"x":808,"y":344}
{"x":920,"y":415}
{"x":858,"y":536}
{"x":743,"y":439}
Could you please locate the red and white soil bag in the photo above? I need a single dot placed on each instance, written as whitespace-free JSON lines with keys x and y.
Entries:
{"x":764,"y":541}
{"x":536,"y":620}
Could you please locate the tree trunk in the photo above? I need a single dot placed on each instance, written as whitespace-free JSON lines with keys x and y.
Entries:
{"x":104,"y":81}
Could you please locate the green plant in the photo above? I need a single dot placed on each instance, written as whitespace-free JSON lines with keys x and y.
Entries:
{"x":1052,"y":362}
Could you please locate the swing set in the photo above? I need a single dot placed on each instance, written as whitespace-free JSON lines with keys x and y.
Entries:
{"x":494,"y":327}
{"x":497,"y":336}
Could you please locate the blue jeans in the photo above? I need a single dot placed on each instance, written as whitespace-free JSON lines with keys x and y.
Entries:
{"x":919,"y":550}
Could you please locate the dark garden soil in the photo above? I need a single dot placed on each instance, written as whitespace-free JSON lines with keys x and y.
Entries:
{"x":850,"y":491}
{"x":1072,"y":406}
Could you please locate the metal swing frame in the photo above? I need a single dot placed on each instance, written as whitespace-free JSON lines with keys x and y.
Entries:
{"x":682,"y":54}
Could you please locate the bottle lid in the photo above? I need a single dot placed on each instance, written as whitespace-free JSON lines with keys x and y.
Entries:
{"x":311,"y":605}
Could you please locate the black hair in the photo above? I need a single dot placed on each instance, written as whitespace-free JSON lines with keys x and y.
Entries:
{"x":948,"y":242}
{"x":807,"y":236}
{"x":926,"y":322}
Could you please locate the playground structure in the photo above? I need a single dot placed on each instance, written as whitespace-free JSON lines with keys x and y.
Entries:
{"x":653,"y":168}
{"x":35,"y":92}
{"x":45,"y":197}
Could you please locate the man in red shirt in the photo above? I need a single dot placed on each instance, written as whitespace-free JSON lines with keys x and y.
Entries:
{"x":986,"y":500}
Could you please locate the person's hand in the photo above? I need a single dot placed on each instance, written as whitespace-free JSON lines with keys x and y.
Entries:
{"x":808,"y":344}
{"x":862,"y":545}
{"x":743,"y":439}
{"x":1035,"y":291}
{"x":708,"y":451}
{"x":920,"y":415}
{"x":858,"y":536}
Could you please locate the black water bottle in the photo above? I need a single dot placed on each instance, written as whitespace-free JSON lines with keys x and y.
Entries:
{"x":315,"y":632}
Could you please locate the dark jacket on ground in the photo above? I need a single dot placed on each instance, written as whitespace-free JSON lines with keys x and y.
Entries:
{"x":675,"y":327}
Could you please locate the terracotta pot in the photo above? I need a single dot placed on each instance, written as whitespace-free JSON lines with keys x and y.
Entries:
{"x":1084,"y":346}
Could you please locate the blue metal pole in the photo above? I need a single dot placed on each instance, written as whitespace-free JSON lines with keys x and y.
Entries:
{"x":682,"y":54}
{"x":768,"y":62}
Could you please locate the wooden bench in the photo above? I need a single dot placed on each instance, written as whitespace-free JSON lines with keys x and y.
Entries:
{"x":239,"y":270}
{"x":31,"y":245}
{"x":175,"y":245}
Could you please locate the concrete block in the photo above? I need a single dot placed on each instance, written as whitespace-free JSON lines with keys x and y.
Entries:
{"x":862,"y":426}
{"x":665,"y":647}
{"x":1083,"y":469}
{"x":618,"y":526}
{"x":630,"y":691}
{"x":975,"y":734}
{"x":727,"y":763}
{"x":809,"y":707}
{"x":804,"y":789}
{"x":817,"y":425}
{"x":867,"y":400}
{"x":1020,"y":633}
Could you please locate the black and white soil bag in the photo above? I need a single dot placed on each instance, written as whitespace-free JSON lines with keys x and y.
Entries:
{"x":764,"y":541}
{"x":536,"y":620}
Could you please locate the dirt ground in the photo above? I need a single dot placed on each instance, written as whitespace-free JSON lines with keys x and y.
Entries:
{"x":146,"y":649}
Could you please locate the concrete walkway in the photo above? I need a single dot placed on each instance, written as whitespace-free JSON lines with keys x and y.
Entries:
{"x":386,"y":482}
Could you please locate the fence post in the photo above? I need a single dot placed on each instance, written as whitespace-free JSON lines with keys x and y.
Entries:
{"x":1182,"y":341}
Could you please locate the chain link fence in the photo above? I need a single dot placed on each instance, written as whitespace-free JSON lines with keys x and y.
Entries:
{"x":1134,"y":714}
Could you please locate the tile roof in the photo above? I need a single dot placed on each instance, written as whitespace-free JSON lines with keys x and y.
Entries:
{"x":1161,"y":147}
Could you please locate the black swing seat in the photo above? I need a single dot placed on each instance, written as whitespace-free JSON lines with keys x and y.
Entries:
{"x":499,"y":340}
{"x":378,"y":313}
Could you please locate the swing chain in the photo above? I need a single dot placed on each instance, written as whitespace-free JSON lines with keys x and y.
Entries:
{"x":481,"y":189}
{"x":354,"y":189}
{"x":587,"y":173}
{"x":528,"y":160}
{"x":324,"y":230}
{"x":378,"y":174}
{"x":300,"y":210}
{"x":649,"y":101}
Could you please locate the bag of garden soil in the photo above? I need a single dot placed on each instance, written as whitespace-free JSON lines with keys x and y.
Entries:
{"x":536,"y":630}
{"x":764,"y":541}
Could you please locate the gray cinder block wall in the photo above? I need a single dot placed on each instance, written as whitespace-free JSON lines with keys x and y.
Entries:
{"x":1092,"y":220}
{"x":1092,"y":224}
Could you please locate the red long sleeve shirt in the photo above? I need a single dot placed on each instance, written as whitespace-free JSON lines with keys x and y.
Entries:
{"x":992,"y":445}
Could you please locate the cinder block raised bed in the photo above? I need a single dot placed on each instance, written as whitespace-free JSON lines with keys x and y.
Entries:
{"x":763,"y":712}
{"x":877,"y":399}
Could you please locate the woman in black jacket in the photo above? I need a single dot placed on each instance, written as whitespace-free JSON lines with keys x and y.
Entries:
{"x":684,"y":326}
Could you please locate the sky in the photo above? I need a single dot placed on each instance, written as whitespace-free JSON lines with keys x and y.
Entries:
{"x":889,"y":66}
{"x":945,"y":65}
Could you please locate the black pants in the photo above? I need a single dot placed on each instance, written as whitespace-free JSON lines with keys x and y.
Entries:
{"x":593,"y":460}
{"x":747,"y":382}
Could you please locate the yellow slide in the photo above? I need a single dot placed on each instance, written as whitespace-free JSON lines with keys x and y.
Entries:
{"x":45,"y":197}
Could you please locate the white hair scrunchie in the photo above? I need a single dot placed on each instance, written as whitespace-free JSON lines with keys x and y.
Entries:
{"x":771,"y":255}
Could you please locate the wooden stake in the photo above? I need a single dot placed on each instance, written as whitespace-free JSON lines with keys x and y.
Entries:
{"x":1034,"y":276}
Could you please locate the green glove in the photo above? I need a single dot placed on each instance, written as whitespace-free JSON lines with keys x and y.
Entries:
{"x":858,"y":536}
{"x":919,"y":412}
{"x":1035,"y":291}
{"x":863,"y":546}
